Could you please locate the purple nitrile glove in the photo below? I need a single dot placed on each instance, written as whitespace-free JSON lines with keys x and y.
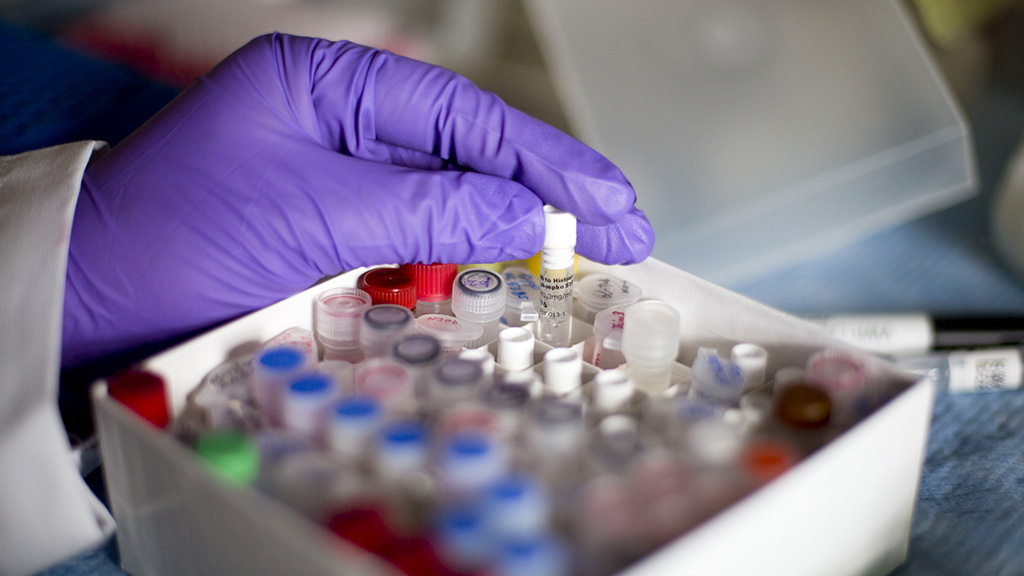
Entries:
{"x":298,"y":158}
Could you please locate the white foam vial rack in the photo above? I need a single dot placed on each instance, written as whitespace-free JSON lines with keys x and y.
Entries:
{"x":844,"y":510}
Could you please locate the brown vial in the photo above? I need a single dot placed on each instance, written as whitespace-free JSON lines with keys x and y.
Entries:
{"x":804,"y":406}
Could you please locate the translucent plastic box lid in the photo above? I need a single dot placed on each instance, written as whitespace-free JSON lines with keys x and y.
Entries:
{"x":759,"y":132}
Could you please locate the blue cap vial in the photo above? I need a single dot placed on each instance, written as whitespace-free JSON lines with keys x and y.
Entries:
{"x":516,"y":506}
{"x":401,"y":448}
{"x":354,"y":421}
{"x":536,"y":556}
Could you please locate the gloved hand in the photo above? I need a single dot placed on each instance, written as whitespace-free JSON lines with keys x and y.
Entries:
{"x":298,"y":158}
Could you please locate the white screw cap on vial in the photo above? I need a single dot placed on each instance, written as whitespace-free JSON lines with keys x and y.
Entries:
{"x":381,"y":325}
{"x":613,"y":390}
{"x":753,"y":360}
{"x":478,"y":296}
{"x":559,"y":251}
{"x":449,"y":331}
{"x":563,"y":370}
{"x":515,"y":349}
{"x":338,"y":314}
{"x":650,"y":343}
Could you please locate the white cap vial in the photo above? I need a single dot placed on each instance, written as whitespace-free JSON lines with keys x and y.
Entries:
{"x":753,"y":360}
{"x":402,"y":449}
{"x":354,"y":421}
{"x":714,"y":441}
{"x":307,"y":403}
{"x":559,"y":251}
{"x":608,"y":326}
{"x":385,"y":380}
{"x":481,"y":356}
{"x":557,"y":426}
{"x":714,"y":379}
{"x":563,"y":370}
{"x":522,"y":301}
{"x":599,"y":292}
{"x":613,"y":390}
{"x":273,"y":368}
{"x":453,"y":334}
{"x":516,"y":506}
{"x":338,"y":314}
{"x":457,"y":379}
{"x":515,"y":348}
{"x":650,"y":343}
{"x":381,"y":325}
{"x":478,"y":296}
{"x":844,"y":377}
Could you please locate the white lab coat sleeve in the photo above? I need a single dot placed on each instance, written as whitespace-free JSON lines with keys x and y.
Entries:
{"x":47,"y":513}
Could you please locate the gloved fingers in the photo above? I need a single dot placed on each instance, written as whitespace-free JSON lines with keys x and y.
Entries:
{"x":628,"y":241}
{"x":372,"y":104}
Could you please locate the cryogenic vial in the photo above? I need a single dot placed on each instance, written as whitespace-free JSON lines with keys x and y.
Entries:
{"x":515,"y":348}
{"x":608,"y":338}
{"x":142,"y":392}
{"x":274,"y":446}
{"x":471,"y":416}
{"x":556,"y":427}
{"x":299,"y":338}
{"x":844,"y":377}
{"x":354,"y":421}
{"x":556,"y":277}
{"x":224,"y":399}
{"x":714,"y":379}
{"x":563,"y":371}
{"x":478,"y":297}
{"x":470,"y":463}
{"x":273,"y":369}
{"x":481,"y":356}
{"x":541,"y":555}
{"x":613,"y":391}
{"x":453,"y":334}
{"x":230,"y":455}
{"x":516,"y":506}
{"x":315,"y":483}
{"x":522,"y":301}
{"x":381,"y":325}
{"x":307,"y":403}
{"x":338,"y":314}
{"x":650,"y":343}
{"x":385,"y":380}
{"x":401,"y":459}
{"x":599,"y":292}
{"x":464,"y":542}
{"x":433,"y":287}
{"x":615,"y":443}
{"x":456,"y":380}
{"x":753,"y":361}
{"x":341,"y":371}
{"x":390,"y":286}
{"x":508,"y":399}
{"x":419,"y":353}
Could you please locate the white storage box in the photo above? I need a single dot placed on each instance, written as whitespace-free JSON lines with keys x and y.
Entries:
{"x":844,"y":510}
{"x":758,"y":133}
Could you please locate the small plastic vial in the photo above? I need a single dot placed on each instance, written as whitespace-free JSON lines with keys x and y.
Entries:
{"x":471,"y":462}
{"x":716,"y":380}
{"x":613,"y":391}
{"x":481,"y":356}
{"x":541,"y":555}
{"x":523,"y":298}
{"x":599,"y":292}
{"x":608,"y":326}
{"x":142,"y":392}
{"x":433,"y":287}
{"x":390,"y":286}
{"x":453,"y":334}
{"x":419,"y":353}
{"x":274,"y":368}
{"x":478,"y":297}
{"x":563,"y":371}
{"x":515,"y":349}
{"x":557,"y":427}
{"x":387,"y":381}
{"x":307,"y":403}
{"x":338,"y":315}
{"x":230,"y":455}
{"x":650,"y":343}
{"x":354,"y":421}
{"x":844,"y":377}
{"x":464,"y":541}
{"x":516,"y":506}
{"x":980,"y":370}
{"x":556,"y":277}
{"x":456,"y":380}
{"x":381,"y":325}
{"x":753,"y":361}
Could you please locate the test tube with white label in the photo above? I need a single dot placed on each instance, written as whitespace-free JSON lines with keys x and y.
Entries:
{"x":650,"y":343}
{"x":977,"y":370}
{"x":556,"y":277}
{"x":608,"y":326}
{"x":478,"y":297}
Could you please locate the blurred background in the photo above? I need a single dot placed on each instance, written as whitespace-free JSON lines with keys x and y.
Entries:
{"x":817,"y":155}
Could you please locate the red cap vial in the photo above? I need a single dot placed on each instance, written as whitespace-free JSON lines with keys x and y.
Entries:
{"x":142,"y":392}
{"x":433,"y":281}
{"x":390,"y":286}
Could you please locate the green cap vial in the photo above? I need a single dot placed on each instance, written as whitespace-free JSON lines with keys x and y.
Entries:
{"x":230,"y":455}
